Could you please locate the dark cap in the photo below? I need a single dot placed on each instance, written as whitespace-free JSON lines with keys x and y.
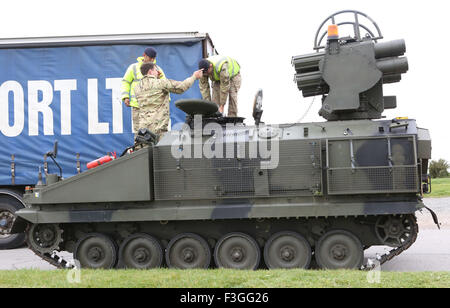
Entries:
{"x":150,"y":52}
{"x":203,"y":65}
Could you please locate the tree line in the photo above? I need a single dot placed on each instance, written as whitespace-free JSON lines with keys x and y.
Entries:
{"x":439,"y":168}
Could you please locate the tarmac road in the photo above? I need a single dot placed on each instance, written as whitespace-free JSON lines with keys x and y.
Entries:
{"x":431,"y":251}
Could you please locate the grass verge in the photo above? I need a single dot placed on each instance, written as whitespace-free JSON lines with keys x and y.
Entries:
{"x":440,"y":188}
{"x":165,"y":278}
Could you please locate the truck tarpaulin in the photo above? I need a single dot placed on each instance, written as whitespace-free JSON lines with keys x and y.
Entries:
{"x":72,"y":94}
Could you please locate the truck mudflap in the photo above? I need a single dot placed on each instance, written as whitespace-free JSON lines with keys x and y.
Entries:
{"x":19,"y":225}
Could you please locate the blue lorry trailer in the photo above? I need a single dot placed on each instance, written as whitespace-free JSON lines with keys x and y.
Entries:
{"x":68,"y":89}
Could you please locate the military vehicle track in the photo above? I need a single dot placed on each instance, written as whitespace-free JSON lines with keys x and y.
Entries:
{"x":290,"y":243}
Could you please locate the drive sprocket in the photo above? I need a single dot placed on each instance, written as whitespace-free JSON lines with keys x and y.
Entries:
{"x":44,"y":238}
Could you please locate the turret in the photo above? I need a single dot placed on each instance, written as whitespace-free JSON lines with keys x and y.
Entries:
{"x":350,"y":72}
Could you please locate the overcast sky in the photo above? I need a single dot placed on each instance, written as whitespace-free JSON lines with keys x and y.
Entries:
{"x":263,"y":36}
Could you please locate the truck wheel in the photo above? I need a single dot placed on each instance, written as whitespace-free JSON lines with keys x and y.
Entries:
{"x":7,"y":217}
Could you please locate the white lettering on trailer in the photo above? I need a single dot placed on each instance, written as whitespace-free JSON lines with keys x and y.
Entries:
{"x":117,"y":116}
{"x":65,"y":87}
{"x":95,"y":127}
{"x":35,"y":107}
{"x":18,"y":107}
{"x":40,"y":99}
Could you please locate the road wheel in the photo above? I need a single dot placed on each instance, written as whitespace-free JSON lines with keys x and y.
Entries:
{"x":287,"y":250}
{"x":187,"y":251}
{"x":141,"y":251}
{"x":96,"y":251}
{"x":339,"y":249}
{"x":237,"y":251}
{"x":7,"y":218}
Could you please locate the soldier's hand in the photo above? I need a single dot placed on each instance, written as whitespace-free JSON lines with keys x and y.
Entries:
{"x":127,"y":102}
{"x":198,"y":74}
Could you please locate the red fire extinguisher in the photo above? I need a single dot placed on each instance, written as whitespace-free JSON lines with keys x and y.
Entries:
{"x":102,"y":160}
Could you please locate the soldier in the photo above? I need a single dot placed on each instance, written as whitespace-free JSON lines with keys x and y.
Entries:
{"x":152,"y":94}
{"x":225,"y":75}
{"x":131,"y":78}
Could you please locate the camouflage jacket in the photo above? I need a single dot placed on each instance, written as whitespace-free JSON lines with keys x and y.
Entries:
{"x":224,"y":85}
{"x":153,"y":97}
{"x":131,"y":78}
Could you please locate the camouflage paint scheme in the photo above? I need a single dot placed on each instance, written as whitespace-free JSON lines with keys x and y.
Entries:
{"x":106,"y":193}
{"x":105,"y":200}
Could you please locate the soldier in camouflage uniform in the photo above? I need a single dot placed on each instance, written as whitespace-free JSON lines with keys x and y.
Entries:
{"x":225,"y":76}
{"x":131,"y":79}
{"x":153,"y":97}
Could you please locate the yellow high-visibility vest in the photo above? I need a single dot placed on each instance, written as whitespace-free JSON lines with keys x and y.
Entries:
{"x":131,"y":78}
{"x":218,"y":61}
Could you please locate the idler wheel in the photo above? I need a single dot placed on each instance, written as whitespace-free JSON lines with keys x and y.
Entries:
{"x":187,"y":251}
{"x":141,"y":251}
{"x":339,"y":249}
{"x":285,"y":250}
{"x":237,"y":251}
{"x":96,"y":251}
{"x":394,"y":231}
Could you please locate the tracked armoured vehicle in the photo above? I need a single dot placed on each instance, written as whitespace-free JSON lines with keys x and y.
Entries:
{"x":220,"y":193}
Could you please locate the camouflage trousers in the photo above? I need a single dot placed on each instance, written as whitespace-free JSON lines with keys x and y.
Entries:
{"x":156,"y":121}
{"x":135,"y":117}
{"x":235,"y":85}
